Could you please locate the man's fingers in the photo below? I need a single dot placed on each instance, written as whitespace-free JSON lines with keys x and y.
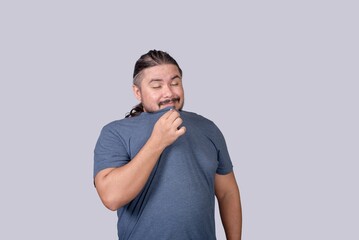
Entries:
{"x":177,"y":122}
{"x":167,"y":114}
{"x":181,"y":131}
{"x":173,"y":118}
{"x":173,"y":115}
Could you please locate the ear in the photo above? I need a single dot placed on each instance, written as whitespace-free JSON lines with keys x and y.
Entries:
{"x":137,"y":92}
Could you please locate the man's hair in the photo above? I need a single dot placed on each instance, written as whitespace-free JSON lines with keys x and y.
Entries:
{"x":151,"y":59}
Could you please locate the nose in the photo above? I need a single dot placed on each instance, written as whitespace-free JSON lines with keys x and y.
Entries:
{"x":167,"y":91}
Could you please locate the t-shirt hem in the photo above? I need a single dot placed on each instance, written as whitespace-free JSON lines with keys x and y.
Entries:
{"x":224,"y":171}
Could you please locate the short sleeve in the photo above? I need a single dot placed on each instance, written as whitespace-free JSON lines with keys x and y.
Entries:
{"x":225,"y":165}
{"x":110,"y":150}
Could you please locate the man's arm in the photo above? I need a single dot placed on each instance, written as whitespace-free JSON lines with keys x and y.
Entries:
{"x":229,"y":202}
{"x":118,"y":186}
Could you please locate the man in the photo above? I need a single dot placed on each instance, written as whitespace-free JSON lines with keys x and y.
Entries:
{"x":161,"y":167}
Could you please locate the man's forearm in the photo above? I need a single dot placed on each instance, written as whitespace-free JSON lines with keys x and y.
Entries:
{"x":231,"y":215}
{"x":119,"y":186}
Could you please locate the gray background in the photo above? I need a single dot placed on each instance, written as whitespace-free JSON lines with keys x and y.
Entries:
{"x":280,"y":78}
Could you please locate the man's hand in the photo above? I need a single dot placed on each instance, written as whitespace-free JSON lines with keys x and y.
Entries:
{"x":167,"y":129}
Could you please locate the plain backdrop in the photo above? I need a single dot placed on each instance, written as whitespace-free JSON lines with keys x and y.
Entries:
{"x":280,"y":79}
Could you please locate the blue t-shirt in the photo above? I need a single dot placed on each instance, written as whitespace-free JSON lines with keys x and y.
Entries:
{"x":177,"y":202}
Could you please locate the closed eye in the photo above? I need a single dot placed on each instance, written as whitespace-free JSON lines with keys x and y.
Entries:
{"x":175,"y":82}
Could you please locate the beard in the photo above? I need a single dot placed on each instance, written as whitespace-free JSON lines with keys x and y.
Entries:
{"x":172,"y":100}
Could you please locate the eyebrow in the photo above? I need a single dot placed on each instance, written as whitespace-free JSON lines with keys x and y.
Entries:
{"x":176,"y":76}
{"x":155,"y":80}
{"x":160,"y":80}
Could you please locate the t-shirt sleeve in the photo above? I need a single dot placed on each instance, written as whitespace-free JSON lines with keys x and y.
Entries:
{"x":110,"y":150}
{"x":225,"y":165}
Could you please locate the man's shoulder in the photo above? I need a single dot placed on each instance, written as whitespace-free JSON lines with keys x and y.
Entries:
{"x":121,"y":123}
{"x":197,"y":119}
{"x":195,"y":116}
{"x":114,"y":123}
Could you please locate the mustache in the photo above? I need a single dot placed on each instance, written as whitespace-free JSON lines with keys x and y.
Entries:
{"x":169,"y":100}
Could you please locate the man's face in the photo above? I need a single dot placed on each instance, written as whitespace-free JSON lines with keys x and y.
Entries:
{"x":161,"y":87}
